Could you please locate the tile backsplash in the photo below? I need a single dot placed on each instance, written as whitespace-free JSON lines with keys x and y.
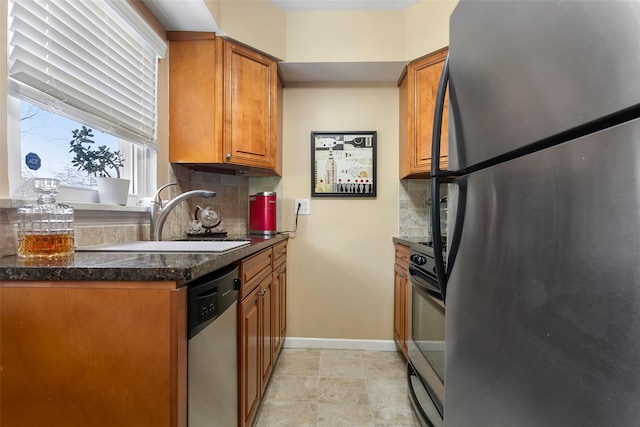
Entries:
{"x":414,"y":214}
{"x":415,"y":207}
{"x":231,"y":203}
{"x":231,"y":200}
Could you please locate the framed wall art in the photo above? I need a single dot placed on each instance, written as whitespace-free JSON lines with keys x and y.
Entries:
{"x":343,"y":164}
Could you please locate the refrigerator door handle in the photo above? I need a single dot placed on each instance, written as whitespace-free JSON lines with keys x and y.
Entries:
{"x":437,"y":178}
{"x":437,"y":122}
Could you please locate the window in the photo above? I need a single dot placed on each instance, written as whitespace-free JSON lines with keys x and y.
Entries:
{"x":73,"y":63}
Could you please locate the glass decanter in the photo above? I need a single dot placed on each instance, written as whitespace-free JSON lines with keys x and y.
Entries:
{"x":45,"y":228}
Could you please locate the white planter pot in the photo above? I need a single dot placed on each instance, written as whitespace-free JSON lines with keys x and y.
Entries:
{"x":113,"y":190}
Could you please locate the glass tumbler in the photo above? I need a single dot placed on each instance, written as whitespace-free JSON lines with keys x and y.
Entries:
{"x":45,"y":228}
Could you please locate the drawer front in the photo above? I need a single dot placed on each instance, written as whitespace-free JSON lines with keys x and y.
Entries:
{"x":402,"y":254}
{"x":279,"y":252}
{"x":253,"y":270}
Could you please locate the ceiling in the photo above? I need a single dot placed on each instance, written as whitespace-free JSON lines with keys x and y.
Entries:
{"x":309,"y":5}
{"x":193,"y":15}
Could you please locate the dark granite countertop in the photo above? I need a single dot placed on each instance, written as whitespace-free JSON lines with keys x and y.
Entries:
{"x":129,"y":266}
{"x":407,"y":241}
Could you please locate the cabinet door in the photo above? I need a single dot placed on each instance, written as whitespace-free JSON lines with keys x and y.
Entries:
{"x":418,"y":92}
{"x":255,"y":348}
{"x":401,"y":297}
{"x":279,"y":306}
{"x":400,"y":289}
{"x":195,"y":98}
{"x":250,"y":107}
{"x":249,"y":342}
{"x":100,"y":355}
{"x":266,"y":332}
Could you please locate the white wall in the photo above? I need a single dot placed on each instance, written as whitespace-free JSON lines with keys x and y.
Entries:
{"x":336,"y":36}
{"x":428,"y":27}
{"x":258,"y":23}
{"x":345,"y":36}
{"x":340,"y":270}
{"x":340,"y":262}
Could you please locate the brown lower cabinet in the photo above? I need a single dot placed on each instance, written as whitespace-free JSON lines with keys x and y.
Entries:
{"x":261,"y":326}
{"x":106,"y":354}
{"x":280,"y":300}
{"x":93,"y":354}
{"x":401,"y":289}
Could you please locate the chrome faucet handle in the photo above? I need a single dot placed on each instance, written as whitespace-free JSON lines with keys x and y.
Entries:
{"x":156,"y":196}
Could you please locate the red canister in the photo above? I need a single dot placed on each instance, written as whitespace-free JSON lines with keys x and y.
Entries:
{"x":262,"y":213}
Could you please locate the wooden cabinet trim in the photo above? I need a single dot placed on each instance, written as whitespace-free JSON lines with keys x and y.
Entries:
{"x":189,"y":35}
{"x":431,"y":58}
{"x":149,"y":285}
{"x":179,"y":358}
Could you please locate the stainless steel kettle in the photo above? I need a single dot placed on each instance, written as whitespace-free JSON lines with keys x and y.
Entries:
{"x":208,"y":217}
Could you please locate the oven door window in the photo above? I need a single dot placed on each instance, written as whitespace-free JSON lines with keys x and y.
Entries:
{"x":427,"y":328}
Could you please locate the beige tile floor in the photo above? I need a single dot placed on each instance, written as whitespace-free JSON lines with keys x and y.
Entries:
{"x":312,"y":387}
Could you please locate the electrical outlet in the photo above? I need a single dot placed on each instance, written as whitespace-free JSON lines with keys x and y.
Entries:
{"x":305,"y":206}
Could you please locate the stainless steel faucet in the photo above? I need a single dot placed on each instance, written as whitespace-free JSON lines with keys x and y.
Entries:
{"x":159,"y":213}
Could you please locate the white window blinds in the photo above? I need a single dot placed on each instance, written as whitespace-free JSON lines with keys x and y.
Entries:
{"x":92,"y":60}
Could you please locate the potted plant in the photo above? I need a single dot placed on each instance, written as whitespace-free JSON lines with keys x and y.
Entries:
{"x":97,"y":163}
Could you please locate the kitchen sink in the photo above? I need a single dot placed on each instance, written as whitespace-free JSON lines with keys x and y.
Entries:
{"x":168,"y":246}
{"x":212,"y":238}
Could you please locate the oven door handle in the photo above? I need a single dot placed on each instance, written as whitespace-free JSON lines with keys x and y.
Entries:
{"x":424,"y":284}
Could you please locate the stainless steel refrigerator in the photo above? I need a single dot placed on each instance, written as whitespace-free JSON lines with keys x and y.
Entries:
{"x":543,"y":281}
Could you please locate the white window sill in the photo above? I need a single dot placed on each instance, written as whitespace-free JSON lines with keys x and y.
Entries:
{"x":95,"y":213}
{"x":7,"y":203}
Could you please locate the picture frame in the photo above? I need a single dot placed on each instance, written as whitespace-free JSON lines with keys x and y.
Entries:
{"x":343,"y":164}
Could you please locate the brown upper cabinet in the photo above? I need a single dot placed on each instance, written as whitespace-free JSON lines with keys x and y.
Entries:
{"x":418,"y":89}
{"x":225,"y":105}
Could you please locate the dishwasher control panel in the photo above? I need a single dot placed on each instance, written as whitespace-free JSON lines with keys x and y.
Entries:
{"x":209,"y":296}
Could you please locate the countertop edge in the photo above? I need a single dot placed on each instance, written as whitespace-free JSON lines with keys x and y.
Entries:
{"x":133,"y":266}
{"x":407,"y":241}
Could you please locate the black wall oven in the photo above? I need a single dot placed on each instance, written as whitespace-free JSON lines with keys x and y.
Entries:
{"x":426,"y":343}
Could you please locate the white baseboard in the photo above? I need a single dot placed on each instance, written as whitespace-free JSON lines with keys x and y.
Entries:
{"x":340,"y":344}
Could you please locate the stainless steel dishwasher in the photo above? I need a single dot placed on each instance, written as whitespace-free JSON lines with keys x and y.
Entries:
{"x":212,"y":349}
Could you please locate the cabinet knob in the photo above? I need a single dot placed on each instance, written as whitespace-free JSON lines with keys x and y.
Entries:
{"x":228,"y":156}
{"x":262,"y":292}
